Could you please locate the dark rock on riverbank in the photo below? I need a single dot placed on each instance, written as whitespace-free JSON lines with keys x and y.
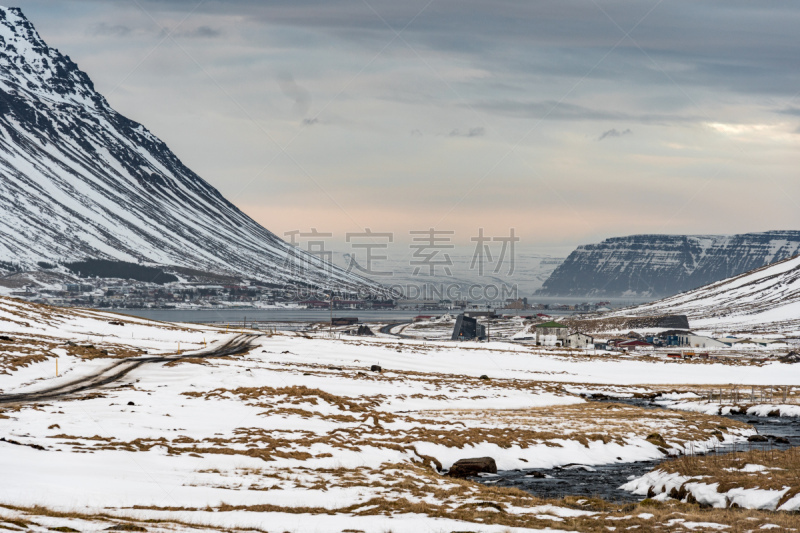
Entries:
{"x":472,"y":467}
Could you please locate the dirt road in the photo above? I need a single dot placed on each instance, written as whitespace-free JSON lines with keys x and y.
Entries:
{"x":387,"y":329}
{"x":118,"y":370}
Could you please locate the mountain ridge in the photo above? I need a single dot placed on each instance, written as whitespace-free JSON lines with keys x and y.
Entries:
{"x":81,"y":181}
{"x":656,"y":265}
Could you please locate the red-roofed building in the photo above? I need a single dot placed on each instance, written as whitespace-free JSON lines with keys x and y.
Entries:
{"x":315,"y":304}
{"x":635,"y":344}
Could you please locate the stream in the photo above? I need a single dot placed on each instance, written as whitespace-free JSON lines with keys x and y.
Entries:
{"x":603,"y":481}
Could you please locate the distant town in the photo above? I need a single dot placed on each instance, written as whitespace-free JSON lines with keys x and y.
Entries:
{"x":103,"y":293}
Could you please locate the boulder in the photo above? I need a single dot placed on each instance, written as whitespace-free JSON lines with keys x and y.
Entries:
{"x":790,"y":358}
{"x":472,"y":467}
{"x":364,"y":331}
{"x":757,"y":438}
{"x":375,"y":368}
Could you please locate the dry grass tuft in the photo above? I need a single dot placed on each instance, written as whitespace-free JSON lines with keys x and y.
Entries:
{"x":782,"y":470}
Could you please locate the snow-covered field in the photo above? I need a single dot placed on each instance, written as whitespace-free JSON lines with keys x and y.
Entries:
{"x":299,"y":434}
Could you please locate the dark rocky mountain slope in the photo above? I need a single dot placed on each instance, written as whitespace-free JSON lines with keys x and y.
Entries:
{"x":664,"y":265}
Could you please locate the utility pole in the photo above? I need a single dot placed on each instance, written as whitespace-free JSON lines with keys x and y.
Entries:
{"x":489,"y":323}
{"x":330,"y":306}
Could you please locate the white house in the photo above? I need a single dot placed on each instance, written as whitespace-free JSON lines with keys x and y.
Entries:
{"x":579,"y":340}
{"x":699,"y":341}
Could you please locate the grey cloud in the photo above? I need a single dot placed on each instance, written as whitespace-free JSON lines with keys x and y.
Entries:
{"x":793,"y":111}
{"x":614,"y":133}
{"x":738,"y":46}
{"x":468,"y":132}
{"x":293,"y":91}
{"x":416,"y":133}
{"x":310,"y":121}
{"x":549,"y":109}
{"x":103,"y":29}
{"x":202,"y":32}
{"x":559,"y":110}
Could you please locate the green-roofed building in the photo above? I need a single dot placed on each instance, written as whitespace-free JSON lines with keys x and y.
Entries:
{"x":551,"y":334}
{"x":551,"y":324}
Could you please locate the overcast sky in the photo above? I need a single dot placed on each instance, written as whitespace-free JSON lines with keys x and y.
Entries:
{"x":570,"y":121}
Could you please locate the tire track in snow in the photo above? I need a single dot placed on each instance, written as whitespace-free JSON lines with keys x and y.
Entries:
{"x":116,"y":371}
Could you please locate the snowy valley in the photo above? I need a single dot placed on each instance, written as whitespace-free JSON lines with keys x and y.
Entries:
{"x":344,"y":407}
{"x":302,"y":425}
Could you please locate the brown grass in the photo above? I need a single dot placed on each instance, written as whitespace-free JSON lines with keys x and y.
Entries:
{"x":296,"y":394}
{"x":99,"y":521}
{"x":360,"y":426}
{"x":726,"y":469}
{"x":30,"y":349}
{"x":412,"y":489}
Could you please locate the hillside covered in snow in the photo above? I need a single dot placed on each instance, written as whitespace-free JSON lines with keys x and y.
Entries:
{"x":80,"y":181}
{"x":763,"y":300}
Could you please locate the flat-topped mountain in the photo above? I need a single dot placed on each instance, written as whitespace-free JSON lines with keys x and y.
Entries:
{"x":662,"y":265}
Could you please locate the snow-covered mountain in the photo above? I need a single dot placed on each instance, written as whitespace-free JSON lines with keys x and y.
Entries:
{"x":78,"y":180}
{"x":662,"y":265}
{"x":760,"y":301}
